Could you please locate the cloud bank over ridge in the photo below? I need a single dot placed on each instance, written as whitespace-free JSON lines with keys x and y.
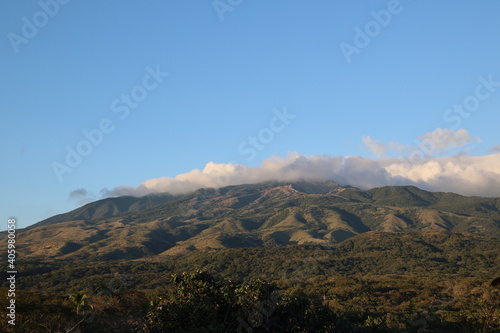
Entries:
{"x":466,"y":175}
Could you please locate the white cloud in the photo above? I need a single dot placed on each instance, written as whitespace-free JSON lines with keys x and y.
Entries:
{"x":443,"y":139}
{"x":466,"y":175}
{"x":430,"y":143}
{"x":380,"y":148}
{"x":376,"y":147}
{"x":461,"y":174}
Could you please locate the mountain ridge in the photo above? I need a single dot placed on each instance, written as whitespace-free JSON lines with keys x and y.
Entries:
{"x":251,"y":215}
{"x":107,"y":207}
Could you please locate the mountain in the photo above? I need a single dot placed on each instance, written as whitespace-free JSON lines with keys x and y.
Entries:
{"x":108,"y":207}
{"x":254,"y":215}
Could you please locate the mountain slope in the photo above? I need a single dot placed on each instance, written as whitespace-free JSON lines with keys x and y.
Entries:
{"x":108,"y":207}
{"x":254,"y":215}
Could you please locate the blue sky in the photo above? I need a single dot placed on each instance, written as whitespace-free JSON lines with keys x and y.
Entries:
{"x":231,"y":70}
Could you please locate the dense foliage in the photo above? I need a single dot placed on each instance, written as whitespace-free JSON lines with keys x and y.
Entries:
{"x":201,"y":302}
{"x":375,"y":282}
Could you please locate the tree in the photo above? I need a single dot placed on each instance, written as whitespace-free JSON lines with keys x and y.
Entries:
{"x":78,"y":301}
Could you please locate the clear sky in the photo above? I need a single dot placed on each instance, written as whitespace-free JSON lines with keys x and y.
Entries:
{"x":165,"y":87}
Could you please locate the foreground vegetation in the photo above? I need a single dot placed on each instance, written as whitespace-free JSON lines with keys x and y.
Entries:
{"x":375,"y":282}
{"x":201,"y":302}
